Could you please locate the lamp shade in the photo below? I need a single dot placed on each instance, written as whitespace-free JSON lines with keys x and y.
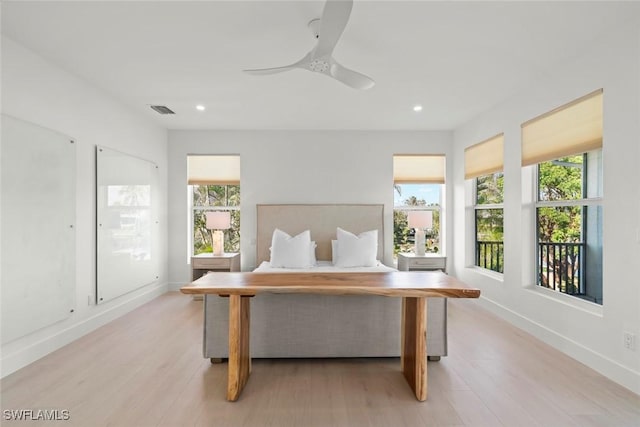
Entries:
{"x":420,"y":219}
{"x":218,"y":220}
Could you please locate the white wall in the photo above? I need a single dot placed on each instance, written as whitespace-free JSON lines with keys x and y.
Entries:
{"x":37,"y":91}
{"x":587,"y":332}
{"x":293,"y":167}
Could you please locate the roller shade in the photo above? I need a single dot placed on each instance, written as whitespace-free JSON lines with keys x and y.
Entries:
{"x":213,"y":170}
{"x":418,"y":169}
{"x":484,"y":157}
{"x":571,"y":129}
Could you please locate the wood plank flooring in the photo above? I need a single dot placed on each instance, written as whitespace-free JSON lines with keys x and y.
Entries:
{"x":146,"y":369}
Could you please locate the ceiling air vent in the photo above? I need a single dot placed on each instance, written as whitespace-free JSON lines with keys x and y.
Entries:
{"x":161,"y":109}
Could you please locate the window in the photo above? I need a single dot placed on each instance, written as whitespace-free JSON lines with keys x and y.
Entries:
{"x":569,"y":225}
{"x":207,"y":198}
{"x":569,"y":196}
{"x":484,"y":164}
{"x":418,"y":186}
{"x":213,"y":185}
{"x":489,"y":222}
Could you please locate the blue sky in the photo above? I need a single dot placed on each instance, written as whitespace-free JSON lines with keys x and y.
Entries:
{"x":427,"y":192}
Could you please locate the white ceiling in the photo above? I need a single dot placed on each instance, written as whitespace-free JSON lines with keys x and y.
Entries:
{"x":457,"y":59}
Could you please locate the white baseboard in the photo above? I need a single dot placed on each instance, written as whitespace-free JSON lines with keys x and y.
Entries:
{"x":611,"y":369}
{"x":30,"y":353}
{"x":175,"y":286}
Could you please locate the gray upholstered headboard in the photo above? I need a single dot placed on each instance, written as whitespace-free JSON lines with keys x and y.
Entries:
{"x":322,"y":220}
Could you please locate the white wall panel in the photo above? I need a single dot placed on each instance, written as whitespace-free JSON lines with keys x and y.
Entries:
{"x":38,"y":227}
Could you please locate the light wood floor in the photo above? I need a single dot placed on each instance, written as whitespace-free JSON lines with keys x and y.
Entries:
{"x":146,"y":369}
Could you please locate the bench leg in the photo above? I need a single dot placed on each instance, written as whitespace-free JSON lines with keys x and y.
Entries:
{"x":414,"y":344}
{"x":239,"y":354}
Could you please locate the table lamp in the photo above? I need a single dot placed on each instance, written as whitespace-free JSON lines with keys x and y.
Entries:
{"x":218,"y":221}
{"x":419,"y":220}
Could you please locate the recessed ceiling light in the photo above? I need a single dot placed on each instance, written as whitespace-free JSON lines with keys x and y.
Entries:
{"x":200,"y":107}
{"x":417,"y":108}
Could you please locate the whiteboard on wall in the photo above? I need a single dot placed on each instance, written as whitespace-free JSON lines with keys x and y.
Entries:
{"x":38,"y":205}
{"x":127,"y":223}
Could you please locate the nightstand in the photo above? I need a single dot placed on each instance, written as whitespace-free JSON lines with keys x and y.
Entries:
{"x":409,"y":262}
{"x":203,"y":263}
{"x":436,"y":307}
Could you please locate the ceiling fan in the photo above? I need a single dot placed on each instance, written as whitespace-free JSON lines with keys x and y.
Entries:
{"x":327,"y":30}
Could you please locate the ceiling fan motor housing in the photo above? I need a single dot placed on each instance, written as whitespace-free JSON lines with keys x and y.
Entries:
{"x":319,"y":65}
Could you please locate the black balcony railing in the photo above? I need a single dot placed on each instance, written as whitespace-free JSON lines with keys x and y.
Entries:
{"x":559,"y":264}
{"x":490,"y":255}
{"x":560,"y":267}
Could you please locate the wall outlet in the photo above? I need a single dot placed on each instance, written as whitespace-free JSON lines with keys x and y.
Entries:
{"x":629,"y":340}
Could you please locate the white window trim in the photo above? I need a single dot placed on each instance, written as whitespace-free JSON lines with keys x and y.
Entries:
{"x":489,"y":206}
{"x":596,"y":201}
{"x":416,"y":208}
{"x":561,"y":297}
{"x":529,"y":253}
{"x":440,"y":209}
{"x":567,"y":300}
{"x":216,"y":208}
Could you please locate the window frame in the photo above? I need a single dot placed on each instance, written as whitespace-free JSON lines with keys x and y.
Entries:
{"x":584,"y":202}
{"x":192,"y":209}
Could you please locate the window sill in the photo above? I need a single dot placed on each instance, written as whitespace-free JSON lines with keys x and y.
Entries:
{"x":568,"y":300}
{"x":486,"y":272}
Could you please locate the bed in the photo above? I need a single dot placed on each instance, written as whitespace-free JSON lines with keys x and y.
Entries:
{"x":309,"y":325}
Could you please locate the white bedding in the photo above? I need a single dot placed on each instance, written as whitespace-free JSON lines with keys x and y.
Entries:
{"x":323,"y":267}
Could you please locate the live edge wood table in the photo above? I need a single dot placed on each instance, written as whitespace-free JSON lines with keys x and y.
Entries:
{"x":413,"y":287}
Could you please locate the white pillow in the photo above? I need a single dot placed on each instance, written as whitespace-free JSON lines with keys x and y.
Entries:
{"x":357,"y":251}
{"x":334,"y":251}
{"x":290,"y":252}
{"x":312,"y":253}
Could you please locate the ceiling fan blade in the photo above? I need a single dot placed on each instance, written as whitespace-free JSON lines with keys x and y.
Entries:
{"x":274,"y":70}
{"x":333,"y":22}
{"x":349,"y":77}
{"x":265,"y":71}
